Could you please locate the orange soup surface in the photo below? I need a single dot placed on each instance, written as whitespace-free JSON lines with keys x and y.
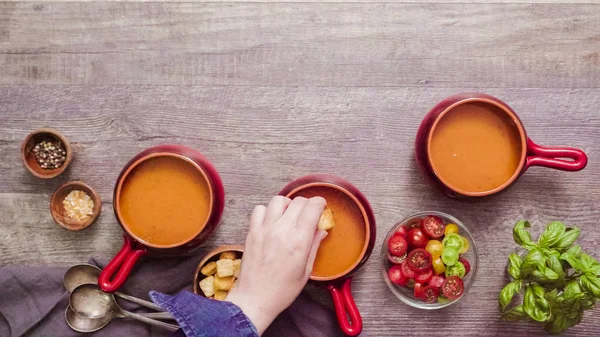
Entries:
{"x":344,"y":244}
{"x":476,"y":147}
{"x":164,"y":201}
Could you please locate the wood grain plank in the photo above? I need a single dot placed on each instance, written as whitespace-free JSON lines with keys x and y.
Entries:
{"x":5,"y":15}
{"x":338,"y":1}
{"x":306,"y":44}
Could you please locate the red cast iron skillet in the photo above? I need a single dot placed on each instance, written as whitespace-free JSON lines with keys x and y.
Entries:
{"x":339,"y":287}
{"x":115,"y":273}
{"x":532,"y":154}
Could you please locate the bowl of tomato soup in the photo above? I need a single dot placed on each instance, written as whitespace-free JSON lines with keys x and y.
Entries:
{"x":168,"y":199}
{"x":347,"y":246}
{"x":475,"y":145}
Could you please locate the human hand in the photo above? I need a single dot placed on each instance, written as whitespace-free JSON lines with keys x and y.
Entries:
{"x":278,"y":259}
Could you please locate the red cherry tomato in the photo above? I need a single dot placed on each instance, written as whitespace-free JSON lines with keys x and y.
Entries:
{"x":465,"y":263}
{"x":396,"y":259}
{"x":401,"y":231}
{"x":418,"y":291}
{"x":424,"y":277}
{"x":416,"y":238}
{"x":395,"y":275}
{"x":437,"y":281}
{"x":414,"y":223}
{"x":453,"y":287}
{"x":397,"y":245}
{"x":406,"y":271}
{"x":419,"y":260}
{"x":433,"y":226}
{"x":430,"y":294}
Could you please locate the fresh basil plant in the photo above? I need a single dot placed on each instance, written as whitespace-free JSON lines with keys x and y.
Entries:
{"x":557,"y":279}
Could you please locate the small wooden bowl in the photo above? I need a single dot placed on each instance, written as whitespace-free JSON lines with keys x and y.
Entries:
{"x":213,"y":255}
{"x":29,"y":158}
{"x":58,"y":211}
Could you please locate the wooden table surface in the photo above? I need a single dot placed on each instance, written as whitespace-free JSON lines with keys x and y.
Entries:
{"x":271,"y":91}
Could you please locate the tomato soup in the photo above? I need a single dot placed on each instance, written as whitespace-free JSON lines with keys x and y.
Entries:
{"x":164,"y":201}
{"x":344,"y":245}
{"x":475,"y":147}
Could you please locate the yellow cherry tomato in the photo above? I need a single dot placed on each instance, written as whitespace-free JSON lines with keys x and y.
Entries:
{"x":451,"y":228}
{"x":438,"y":266}
{"x":435,"y":248}
{"x":466,"y":245}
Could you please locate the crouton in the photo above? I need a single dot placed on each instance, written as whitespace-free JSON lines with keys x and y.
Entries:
{"x":225,"y":268}
{"x":207,"y":286}
{"x":326,"y":221}
{"x":227,"y":256}
{"x":209,"y":269}
{"x":223,"y":283}
{"x":220,"y":295}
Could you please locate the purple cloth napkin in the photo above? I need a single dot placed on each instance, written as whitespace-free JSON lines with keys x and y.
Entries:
{"x":33,"y":302}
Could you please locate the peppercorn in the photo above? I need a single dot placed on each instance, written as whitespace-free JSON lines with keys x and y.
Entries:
{"x":50,"y":154}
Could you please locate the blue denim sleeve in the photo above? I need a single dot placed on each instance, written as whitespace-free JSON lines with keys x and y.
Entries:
{"x":202,"y":317}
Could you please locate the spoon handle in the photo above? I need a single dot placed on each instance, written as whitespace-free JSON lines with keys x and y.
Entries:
{"x":139,"y":301}
{"x":154,"y":315}
{"x":167,"y":326}
{"x":158,"y":315}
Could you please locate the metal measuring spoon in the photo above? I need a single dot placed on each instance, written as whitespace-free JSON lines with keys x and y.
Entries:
{"x":89,"y":301}
{"x":88,"y":274}
{"x":83,"y":324}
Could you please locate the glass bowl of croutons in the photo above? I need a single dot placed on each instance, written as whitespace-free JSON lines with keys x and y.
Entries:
{"x":218,"y":271}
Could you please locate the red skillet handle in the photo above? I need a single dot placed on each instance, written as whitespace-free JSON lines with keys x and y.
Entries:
{"x":344,"y":305}
{"x":119,"y":266}
{"x":548,"y":157}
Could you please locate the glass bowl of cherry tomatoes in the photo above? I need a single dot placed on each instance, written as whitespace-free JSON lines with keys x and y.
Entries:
{"x":429,"y":260}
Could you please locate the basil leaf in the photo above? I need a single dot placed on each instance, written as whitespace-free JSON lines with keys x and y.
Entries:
{"x":531,"y":261}
{"x":552,"y":234}
{"x":554,"y":263}
{"x":522,"y":236}
{"x":572,"y":289}
{"x":589,"y":264}
{"x":566,"y":304}
{"x":586,"y":261}
{"x":572,"y":257}
{"x":514,"y":266}
{"x":554,"y":252}
{"x":567,"y":239}
{"x":575,"y":317}
{"x":508,"y":292}
{"x":587,"y":302}
{"x":574,"y":251}
{"x":516,"y":313}
{"x":575,"y":308}
{"x":535,"y":304}
{"x":552,"y":296}
{"x":544,"y":275}
{"x":541,"y":298}
{"x":559,"y":324}
{"x":591,"y":284}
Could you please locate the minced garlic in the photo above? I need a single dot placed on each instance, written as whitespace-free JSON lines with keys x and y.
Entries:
{"x":78,"y":205}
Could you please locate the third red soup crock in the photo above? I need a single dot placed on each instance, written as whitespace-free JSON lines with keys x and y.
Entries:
{"x":532,"y":154}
